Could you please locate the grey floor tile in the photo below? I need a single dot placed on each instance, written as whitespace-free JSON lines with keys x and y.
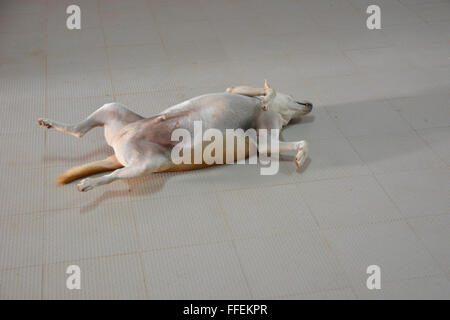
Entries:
{"x":36,"y":7}
{"x":21,"y":283}
{"x":115,"y":277}
{"x":395,"y":152}
{"x":392,"y":246}
{"x":22,"y":150}
{"x":338,"y":14}
{"x":225,"y":177}
{"x":22,"y":22}
{"x":124,"y":18}
{"x":18,"y":182}
{"x":222,"y":10}
{"x":312,"y":40}
{"x":348,"y":202}
{"x":426,"y":111}
{"x":79,"y":84}
{"x":439,"y":141}
{"x":131,"y":35}
{"x":430,"y":57}
{"x":434,"y":233}
{"x":427,"y":288}
{"x":386,"y":58}
{"x":419,"y":193}
{"x":149,"y":55}
{"x":344,"y":89}
{"x":157,"y":78}
{"x":21,"y":242}
{"x":22,"y":115}
{"x":322,"y":64}
{"x":197,"y":51}
{"x":177,"y":31}
{"x":150,"y":103}
{"x":29,"y":43}
{"x":288,"y":265}
{"x":77,"y":59}
{"x":367,"y":118}
{"x":23,"y":66}
{"x":432,"y":12}
{"x":68,"y":197}
{"x":266,"y":211}
{"x":81,"y":39}
{"x":171,"y":184}
{"x":199,"y":272}
{"x":411,"y":36}
{"x":74,"y":109}
{"x":66,"y":151}
{"x":102,"y":232}
{"x":262,"y":47}
{"x":351,"y":38}
{"x":393,"y":84}
{"x":180,"y":221}
{"x":316,"y":125}
{"x":26,"y":97}
{"x":190,"y":76}
{"x":118,"y":5}
{"x":184,"y":12}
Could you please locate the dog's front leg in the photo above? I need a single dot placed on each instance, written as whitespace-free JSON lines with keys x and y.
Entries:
{"x":270,"y":121}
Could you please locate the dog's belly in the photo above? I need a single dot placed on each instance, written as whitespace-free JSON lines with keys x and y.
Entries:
{"x":220,"y":111}
{"x":215,"y":111}
{"x":227,"y":155}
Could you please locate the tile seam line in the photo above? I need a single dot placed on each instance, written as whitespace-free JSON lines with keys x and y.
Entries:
{"x":200,"y":244}
{"x":138,"y":240}
{"x":166,"y":52}
{"x":233,"y":243}
{"x":417,"y":236}
{"x":135,"y":252}
{"x":105,"y":48}
{"x":141,"y":262}
{"x":44,"y":170}
{"x":379,"y":185}
{"x":416,"y":133}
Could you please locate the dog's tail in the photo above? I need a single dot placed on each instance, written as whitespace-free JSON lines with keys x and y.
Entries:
{"x":110,"y":163}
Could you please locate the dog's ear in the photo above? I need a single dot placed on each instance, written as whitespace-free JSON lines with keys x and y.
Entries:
{"x":269,"y":94}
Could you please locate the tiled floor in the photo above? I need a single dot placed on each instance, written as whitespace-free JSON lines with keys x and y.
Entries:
{"x":376,"y":189}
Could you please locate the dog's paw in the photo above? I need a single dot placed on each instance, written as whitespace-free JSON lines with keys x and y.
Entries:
{"x":302,"y":153}
{"x":85,"y":185}
{"x":46,"y":123}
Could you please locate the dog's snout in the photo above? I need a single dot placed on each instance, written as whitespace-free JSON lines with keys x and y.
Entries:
{"x":306,"y":104}
{"x":309,"y":105}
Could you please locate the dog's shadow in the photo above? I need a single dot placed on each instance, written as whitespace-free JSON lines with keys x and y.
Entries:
{"x":137,"y":188}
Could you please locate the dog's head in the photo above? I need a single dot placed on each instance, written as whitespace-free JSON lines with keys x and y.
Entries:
{"x":288,"y":107}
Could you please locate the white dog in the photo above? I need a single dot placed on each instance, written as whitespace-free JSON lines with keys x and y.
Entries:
{"x":143,"y":145}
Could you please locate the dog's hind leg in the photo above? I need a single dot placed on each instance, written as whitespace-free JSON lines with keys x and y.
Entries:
{"x":149,"y":164}
{"x":110,"y":163}
{"x":113,"y":116}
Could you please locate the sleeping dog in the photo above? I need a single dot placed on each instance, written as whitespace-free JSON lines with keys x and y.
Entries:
{"x":143,"y":145}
